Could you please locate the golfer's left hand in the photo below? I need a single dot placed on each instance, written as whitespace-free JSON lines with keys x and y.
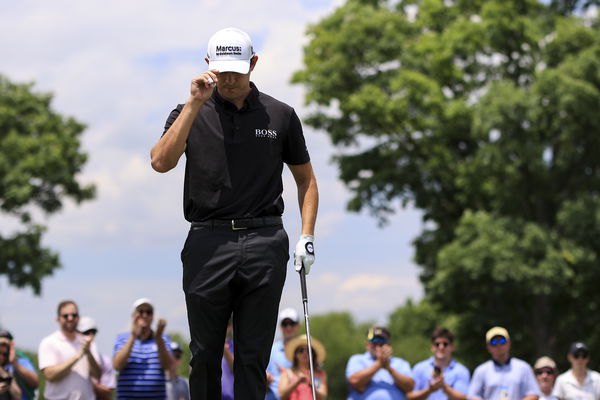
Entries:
{"x":304,"y":253}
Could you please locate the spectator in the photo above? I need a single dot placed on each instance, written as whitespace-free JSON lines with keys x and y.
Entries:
{"x":68,"y":359}
{"x":142,"y":356}
{"x":295,"y":382}
{"x":227,"y":364}
{"x":20,"y":367}
{"x":9,"y":389}
{"x":579,"y":382}
{"x":503,"y":377}
{"x":104,"y":387}
{"x":440,"y":377}
{"x":290,"y":324}
{"x":545,"y":373}
{"x":376,"y":374}
{"x":178,"y":387}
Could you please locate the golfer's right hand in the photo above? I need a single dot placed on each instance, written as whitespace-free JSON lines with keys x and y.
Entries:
{"x":203,"y":85}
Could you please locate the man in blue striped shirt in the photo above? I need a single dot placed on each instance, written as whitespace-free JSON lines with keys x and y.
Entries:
{"x":142,"y":356}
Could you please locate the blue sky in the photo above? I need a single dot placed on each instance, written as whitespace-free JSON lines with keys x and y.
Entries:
{"x":120,"y":68}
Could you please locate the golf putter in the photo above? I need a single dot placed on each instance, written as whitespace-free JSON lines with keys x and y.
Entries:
{"x":302,"y":273}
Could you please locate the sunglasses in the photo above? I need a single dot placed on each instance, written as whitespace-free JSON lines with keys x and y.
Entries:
{"x":547,"y":371}
{"x":288,"y":323}
{"x":301,"y":350}
{"x":379,"y":341}
{"x":147,"y":312}
{"x":72,"y":315}
{"x":441,"y":344}
{"x":498,"y":341}
{"x":581,"y":354}
{"x":89,"y":332}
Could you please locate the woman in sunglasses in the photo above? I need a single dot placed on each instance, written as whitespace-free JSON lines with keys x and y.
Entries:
{"x":579,"y":382}
{"x":295,"y":382}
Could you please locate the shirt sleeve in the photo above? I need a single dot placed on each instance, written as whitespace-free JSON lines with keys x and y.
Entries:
{"x":47,"y":355}
{"x":172,"y":117}
{"x":462,"y":380}
{"x":557,"y":390}
{"x":402,"y":366}
{"x":419,"y":375}
{"x":25,"y":362}
{"x":294,"y":147}
{"x":476,"y":385}
{"x":354,"y":365}
{"x":119,"y":342}
{"x":531,"y":385}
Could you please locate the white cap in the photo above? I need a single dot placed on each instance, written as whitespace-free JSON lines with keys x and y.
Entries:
{"x":230,"y":50}
{"x":86,"y":323}
{"x":288,"y":313}
{"x":141,"y":301}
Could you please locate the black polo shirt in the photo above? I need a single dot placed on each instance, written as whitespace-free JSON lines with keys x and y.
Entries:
{"x":235,"y":157}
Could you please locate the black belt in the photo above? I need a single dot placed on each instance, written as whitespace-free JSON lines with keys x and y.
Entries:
{"x":239,"y":223}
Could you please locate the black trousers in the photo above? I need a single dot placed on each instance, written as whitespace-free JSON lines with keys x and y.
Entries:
{"x":239,"y":271}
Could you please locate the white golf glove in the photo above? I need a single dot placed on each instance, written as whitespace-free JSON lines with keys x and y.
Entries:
{"x":304,"y":253}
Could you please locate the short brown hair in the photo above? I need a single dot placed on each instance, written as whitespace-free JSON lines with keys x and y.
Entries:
{"x":442,"y":332}
{"x":65,"y":303}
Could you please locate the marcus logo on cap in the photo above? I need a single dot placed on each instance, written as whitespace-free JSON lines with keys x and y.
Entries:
{"x":230,"y":50}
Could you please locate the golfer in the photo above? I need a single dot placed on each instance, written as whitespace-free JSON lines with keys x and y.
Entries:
{"x":236,"y":140}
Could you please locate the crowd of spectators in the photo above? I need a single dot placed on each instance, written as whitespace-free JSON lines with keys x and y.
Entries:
{"x":145,"y":362}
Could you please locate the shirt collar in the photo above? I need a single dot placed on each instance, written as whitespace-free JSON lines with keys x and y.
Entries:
{"x":250,"y":102}
{"x":496,"y":363}
{"x":449,"y":366}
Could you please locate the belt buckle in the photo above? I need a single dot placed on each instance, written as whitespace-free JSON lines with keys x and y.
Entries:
{"x":234,"y":228}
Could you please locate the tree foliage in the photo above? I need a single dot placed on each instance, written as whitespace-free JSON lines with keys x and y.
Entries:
{"x":39,"y":162}
{"x":485,"y":115}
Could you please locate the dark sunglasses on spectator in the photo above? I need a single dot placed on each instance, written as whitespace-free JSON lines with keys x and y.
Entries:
{"x":143,"y":311}
{"x":72,"y":315}
{"x":441,"y":344}
{"x":378,"y":341}
{"x":301,"y":350}
{"x":581,"y":354}
{"x":541,"y":371}
{"x":287,"y":322}
{"x":89,"y":332}
{"x":497,"y":341}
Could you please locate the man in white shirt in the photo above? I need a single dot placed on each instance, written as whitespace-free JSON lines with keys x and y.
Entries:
{"x":68,"y":359}
{"x":579,"y":382}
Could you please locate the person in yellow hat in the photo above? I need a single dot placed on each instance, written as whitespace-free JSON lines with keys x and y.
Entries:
{"x":295,"y":382}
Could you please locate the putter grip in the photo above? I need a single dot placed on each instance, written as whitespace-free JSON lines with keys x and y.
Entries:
{"x":303,"y":283}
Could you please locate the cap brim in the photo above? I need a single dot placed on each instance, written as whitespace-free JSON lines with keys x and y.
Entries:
{"x":239,"y":66}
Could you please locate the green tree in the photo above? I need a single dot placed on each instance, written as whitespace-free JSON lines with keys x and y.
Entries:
{"x":485,"y":115}
{"x":39,"y":162}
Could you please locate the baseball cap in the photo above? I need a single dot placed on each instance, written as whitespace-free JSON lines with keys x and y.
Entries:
{"x":496,"y":331}
{"x":378,"y":332}
{"x":175,"y":346}
{"x":230,"y":50}
{"x":289,"y":313}
{"x":86,"y":323}
{"x":578,"y":346}
{"x":544,"y":362}
{"x":5,"y":334}
{"x":141,"y":301}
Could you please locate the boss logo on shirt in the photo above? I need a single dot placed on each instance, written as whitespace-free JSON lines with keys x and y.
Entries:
{"x":266,"y":133}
